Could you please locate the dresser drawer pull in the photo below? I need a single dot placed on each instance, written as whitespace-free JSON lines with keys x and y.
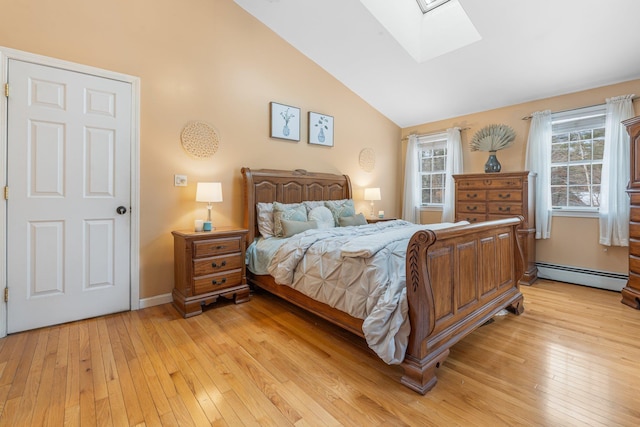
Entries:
{"x":507,"y":209}
{"x":504,"y":196}
{"x":472,"y":196}
{"x":221,"y":282}
{"x":472,"y":219}
{"x":220,"y":247}
{"x":472,"y":208}
{"x":215,"y":265}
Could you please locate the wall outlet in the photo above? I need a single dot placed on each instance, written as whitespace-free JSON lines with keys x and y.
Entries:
{"x":180,"y":180}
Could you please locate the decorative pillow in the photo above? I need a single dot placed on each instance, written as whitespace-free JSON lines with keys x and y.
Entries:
{"x":290,"y":228}
{"x":340,"y":208}
{"x":291,"y":212}
{"x":323,"y":216}
{"x":265,"y":219}
{"x":346,"y":221}
{"x":310,"y":204}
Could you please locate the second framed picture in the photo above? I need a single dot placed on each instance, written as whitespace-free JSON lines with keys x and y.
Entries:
{"x":320,"y":129}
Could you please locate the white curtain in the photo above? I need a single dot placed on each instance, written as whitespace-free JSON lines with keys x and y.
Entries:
{"x":453,"y":166}
{"x":614,"y":202}
{"x":412,"y":198}
{"x":538,"y":160}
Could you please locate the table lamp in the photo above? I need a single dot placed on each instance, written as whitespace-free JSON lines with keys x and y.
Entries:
{"x":372,"y":194}
{"x":208,"y":192}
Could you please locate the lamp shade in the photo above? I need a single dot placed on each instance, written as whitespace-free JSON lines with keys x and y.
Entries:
{"x":372,"y":194}
{"x":209,"y":192}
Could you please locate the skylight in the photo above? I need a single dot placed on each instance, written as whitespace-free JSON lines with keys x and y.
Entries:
{"x":427,"y":5}
{"x":425,"y":35}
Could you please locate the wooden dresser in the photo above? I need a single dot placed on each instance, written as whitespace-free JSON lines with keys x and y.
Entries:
{"x":631,"y":292}
{"x":208,"y":265}
{"x":484,"y":197}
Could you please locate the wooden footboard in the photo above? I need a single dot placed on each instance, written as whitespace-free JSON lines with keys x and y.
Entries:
{"x":457,"y":279}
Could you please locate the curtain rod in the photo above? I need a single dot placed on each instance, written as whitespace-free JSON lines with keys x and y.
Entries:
{"x":571,"y":109}
{"x":418,"y":135}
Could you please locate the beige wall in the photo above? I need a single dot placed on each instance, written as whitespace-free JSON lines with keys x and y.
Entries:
{"x":574,"y":241}
{"x":206,"y":60}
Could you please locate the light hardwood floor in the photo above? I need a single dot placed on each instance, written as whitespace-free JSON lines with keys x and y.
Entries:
{"x":572,"y":358}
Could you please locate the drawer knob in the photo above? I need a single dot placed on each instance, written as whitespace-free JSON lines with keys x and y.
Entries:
{"x":472,"y":196}
{"x":472,"y":208}
{"x":220,"y":247}
{"x":221,"y":282}
{"x":504,"y":196}
{"x":216,"y":265}
{"x":507,"y":209}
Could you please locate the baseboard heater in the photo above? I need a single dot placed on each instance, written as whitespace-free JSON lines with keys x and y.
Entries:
{"x":582,"y":276}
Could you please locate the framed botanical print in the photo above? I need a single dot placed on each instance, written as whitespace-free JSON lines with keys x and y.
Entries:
{"x":285,"y":121}
{"x":320,"y":129}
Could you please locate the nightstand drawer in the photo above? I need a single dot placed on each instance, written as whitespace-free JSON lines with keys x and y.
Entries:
{"x":204,"y":248}
{"x":215,"y":282}
{"x":202,"y":267}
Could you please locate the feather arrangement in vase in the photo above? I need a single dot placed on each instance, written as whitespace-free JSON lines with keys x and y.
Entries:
{"x":492,"y":138}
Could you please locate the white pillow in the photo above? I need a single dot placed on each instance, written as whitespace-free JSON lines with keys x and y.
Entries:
{"x":323,"y":216}
{"x":310,"y":204}
{"x":265,"y":219}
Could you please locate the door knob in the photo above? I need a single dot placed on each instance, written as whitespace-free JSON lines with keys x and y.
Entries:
{"x":121,"y":210}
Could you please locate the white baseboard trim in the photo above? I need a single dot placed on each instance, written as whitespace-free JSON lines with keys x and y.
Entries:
{"x":582,"y":276}
{"x":157,"y":300}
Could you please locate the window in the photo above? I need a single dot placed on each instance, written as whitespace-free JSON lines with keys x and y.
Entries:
{"x":432,"y":158}
{"x":577,"y":148}
{"x":427,"y":5}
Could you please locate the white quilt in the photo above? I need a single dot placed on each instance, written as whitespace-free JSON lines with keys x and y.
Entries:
{"x":358,"y":270}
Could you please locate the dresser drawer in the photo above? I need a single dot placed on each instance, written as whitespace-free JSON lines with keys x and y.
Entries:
{"x":205,"y":248}
{"x":202,"y":267}
{"x":470,"y":217}
{"x":634,"y":247}
{"x":505,"y":208}
{"x":470,"y":207}
{"x":216,"y":282}
{"x":489,"y":183}
{"x":634,"y":214}
{"x":472,"y":196}
{"x":504,"y":196}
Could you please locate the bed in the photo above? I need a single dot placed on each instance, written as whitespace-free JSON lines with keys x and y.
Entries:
{"x":457,"y":278}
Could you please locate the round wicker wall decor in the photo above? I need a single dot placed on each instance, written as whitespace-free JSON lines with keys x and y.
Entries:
{"x":200,"y":139}
{"x":367,"y":159}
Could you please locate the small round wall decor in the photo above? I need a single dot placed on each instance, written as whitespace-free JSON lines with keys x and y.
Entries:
{"x":199,"y":139}
{"x":367,"y":159}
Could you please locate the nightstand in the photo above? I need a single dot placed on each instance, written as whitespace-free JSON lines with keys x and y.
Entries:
{"x":374,"y":220}
{"x":208,"y":265}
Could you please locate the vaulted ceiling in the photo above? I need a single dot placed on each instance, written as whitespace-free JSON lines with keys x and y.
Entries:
{"x":525,"y":50}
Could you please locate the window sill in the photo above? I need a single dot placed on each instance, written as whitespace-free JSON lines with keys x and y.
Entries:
{"x":575,"y":213}
{"x":430,"y":208}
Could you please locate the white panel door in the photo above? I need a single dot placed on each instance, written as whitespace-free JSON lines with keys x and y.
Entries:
{"x":68,"y":172}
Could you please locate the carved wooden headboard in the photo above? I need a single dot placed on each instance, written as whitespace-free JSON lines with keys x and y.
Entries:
{"x":270,"y":185}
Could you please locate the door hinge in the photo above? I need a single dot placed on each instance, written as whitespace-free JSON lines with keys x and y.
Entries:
{"x":6,"y":192}
{"x":6,"y":294}
{"x":6,"y":90}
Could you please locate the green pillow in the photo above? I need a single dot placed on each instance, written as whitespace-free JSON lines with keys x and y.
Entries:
{"x":340,"y":208}
{"x":346,"y":221}
{"x":294,"y":227}
{"x":290,"y":212}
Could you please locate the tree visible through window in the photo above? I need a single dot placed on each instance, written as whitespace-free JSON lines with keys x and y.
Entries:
{"x":432,"y":156}
{"x":577,"y":149}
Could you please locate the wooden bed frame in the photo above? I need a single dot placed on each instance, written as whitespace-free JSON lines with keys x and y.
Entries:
{"x":457,"y":279}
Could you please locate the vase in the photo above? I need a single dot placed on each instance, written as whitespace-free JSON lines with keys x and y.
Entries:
{"x":321,"y":135}
{"x":285,"y":130}
{"x":492,"y":165}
